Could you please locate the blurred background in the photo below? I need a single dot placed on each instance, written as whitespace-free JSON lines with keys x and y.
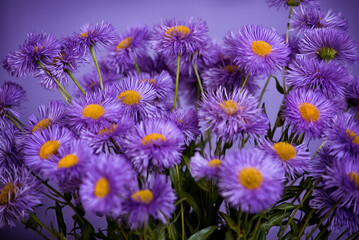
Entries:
{"x":18,"y":17}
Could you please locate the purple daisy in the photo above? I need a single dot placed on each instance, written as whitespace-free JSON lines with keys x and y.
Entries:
{"x":19,"y":195}
{"x":105,"y":184}
{"x":204,"y":167}
{"x":352,"y":94}
{"x":258,"y":49}
{"x":251,"y":180}
{"x":9,"y":154}
{"x":308,"y":112}
{"x":292,"y":3}
{"x":156,"y":199}
{"x":154,"y":143}
{"x":162,"y":83}
{"x":11,"y":95}
{"x":91,"y":83}
{"x":329,"y":44}
{"x":321,"y":162}
{"x":232,"y":115}
{"x":46,"y":80}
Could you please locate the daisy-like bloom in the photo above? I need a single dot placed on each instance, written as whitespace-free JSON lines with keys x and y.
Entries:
{"x":204,"y":167}
{"x":308,"y":112}
{"x":52,"y":114}
{"x":9,"y":154}
{"x":250,"y":179}
{"x":38,"y":47}
{"x":11,"y":95}
{"x":329,"y":78}
{"x":156,"y":199}
{"x":107,"y":138}
{"x":258,"y":49}
{"x":19,"y":195}
{"x":329,"y":44}
{"x":93,"y":111}
{"x":323,"y":160}
{"x":292,"y":3}
{"x":352,"y":94}
{"x":107,"y":180}
{"x":343,"y":135}
{"x":129,"y":46}
{"x":232,"y":115}
{"x":91,"y":83}
{"x":162,"y":83}
{"x":154,"y":143}
{"x":294,"y":159}
{"x":186,"y":38}
{"x":46,"y":81}
{"x":187,"y":121}
{"x":307,"y":18}
{"x":40,"y":146}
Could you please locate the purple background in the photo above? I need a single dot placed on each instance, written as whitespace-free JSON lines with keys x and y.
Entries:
{"x":63,"y":17}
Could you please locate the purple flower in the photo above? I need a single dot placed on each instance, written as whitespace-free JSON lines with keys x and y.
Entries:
{"x":322,"y":161}
{"x":308,"y":112}
{"x":47,"y":81}
{"x":250,"y":179}
{"x":90,"y":82}
{"x":329,"y":44}
{"x":154,"y":143}
{"x":292,"y":3}
{"x":156,"y":198}
{"x":9,"y":154}
{"x":352,"y":94}
{"x":204,"y":167}
{"x":11,"y":94}
{"x":232,"y":115}
{"x":258,"y":49}
{"x":19,"y":195}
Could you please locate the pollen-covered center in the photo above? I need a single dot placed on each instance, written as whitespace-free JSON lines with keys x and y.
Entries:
{"x":354,"y":178}
{"x":37,"y":48}
{"x":309,"y":112}
{"x":102,"y":188}
{"x":49,"y":148}
{"x":250,"y":177}
{"x":93,"y":111}
{"x":142,"y":196}
{"x":229,"y":106}
{"x":214,"y":163}
{"x":353,"y":135}
{"x":153,"y":138}
{"x":129,"y":97}
{"x":231,"y":68}
{"x":327,"y":53}
{"x":43,"y":124}
{"x":177,"y":31}
{"x":150,"y":81}
{"x":261,"y":48}
{"x":108,"y":130}
{"x":125,"y":43}
{"x":84,"y":34}
{"x":285,"y":151}
{"x":6,"y":192}
{"x":68,"y":161}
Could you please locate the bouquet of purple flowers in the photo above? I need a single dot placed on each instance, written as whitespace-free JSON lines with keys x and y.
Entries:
{"x":168,"y":138}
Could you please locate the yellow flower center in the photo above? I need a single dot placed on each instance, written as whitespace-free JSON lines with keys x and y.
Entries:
{"x":354,"y":178}
{"x":250,"y":177}
{"x":84,"y":34}
{"x":177,"y":30}
{"x":353,"y":136}
{"x":261,"y":48}
{"x":231,"y":68}
{"x":49,"y":148}
{"x":37,"y":48}
{"x":229,"y":106}
{"x":142,"y":196}
{"x":214,"y":163}
{"x":4,"y":194}
{"x":43,"y":124}
{"x":129,"y":97}
{"x":285,"y":150}
{"x":151,"y":81}
{"x":68,"y":161}
{"x":152,"y":138}
{"x":102,"y":188}
{"x":109,"y":130}
{"x":309,"y":112}
{"x":125,"y":43}
{"x":93,"y":111}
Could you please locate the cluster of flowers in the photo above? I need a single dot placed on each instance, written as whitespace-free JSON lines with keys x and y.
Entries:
{"x":114,"y":140}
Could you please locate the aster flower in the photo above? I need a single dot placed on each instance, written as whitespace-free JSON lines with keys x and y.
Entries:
{"x":9,"y":154}
{"x":342,"y":134}
{"x":162,"y":83}
{"x":107,"y":178}
{"x":154,"y":143}
{"x":46,"y":80}
{"x":258,"y":49}
{"x":232,"y":115}
{"x":250,"y":179}
{"x":204,"y":167}
{"x":292,"y":3}
{"x":329,"y":44}
{"x":352,"y":94}
{"x":156,"y":199}
{"x":294,"y":159}
{"x":19,"y":195}
{"x":308,"y":18}
{"x":11,"y":94}
{"x":91,"y":83}
{"x":321,"y":162}
{"x":308,"y":112}
{"x":93,"y":111}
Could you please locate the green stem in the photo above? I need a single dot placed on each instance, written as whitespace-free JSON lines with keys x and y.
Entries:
{"x":305,"y":223}
{"x":37,"y":231}
{"x":177,"y":78}
{"x":182,"y":211}
{"x":97,"y":67}
{"x":136,"y":65}
{"x":320,"y":147}
{"x":63,"y":94}
{"x":263,"y":90}
{"x":75,"y":81}
{"x":284,"y":88}
{"x":198,"y":78}
{"x":14,"y":122}
{"x":300,"y":141}
{"x":342,"y":234}
{"x":256,"y":228}
{"x":244,"y":83}
{"x":290,"y":15}
{"x":169,"y":229}
{"x":37,"y":220}
{"x":53,"y":78}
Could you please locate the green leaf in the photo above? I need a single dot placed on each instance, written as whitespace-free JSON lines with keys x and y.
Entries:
{"x":278,"y":86}
{"x":60,"y":219}
{"x":204,"y":233}
{"x":275,"y":220}
{"x":285,"y":207}
{"x":231,"y":224}
{"x":188,"y":198}
{"x":229,"y":235}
